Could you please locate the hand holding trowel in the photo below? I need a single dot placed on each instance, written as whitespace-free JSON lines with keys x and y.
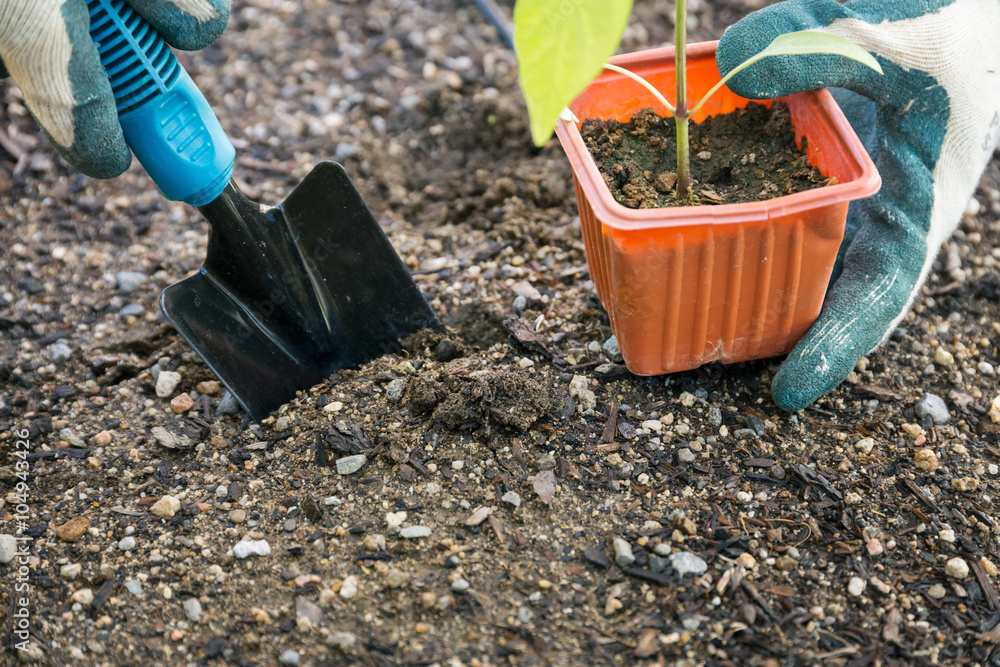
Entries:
{"x":287,"y":295}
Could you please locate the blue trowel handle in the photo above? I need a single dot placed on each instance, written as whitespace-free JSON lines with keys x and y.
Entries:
{"x":167,"y":122}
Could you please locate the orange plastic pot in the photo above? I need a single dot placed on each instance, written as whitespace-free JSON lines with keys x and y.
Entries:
{"x":687,"y":286}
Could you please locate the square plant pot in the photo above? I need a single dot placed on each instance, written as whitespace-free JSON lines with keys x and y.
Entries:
{"x":689,"y":285}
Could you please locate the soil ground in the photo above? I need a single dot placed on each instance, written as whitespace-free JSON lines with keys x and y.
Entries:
{"x":745,"y":155}
{"x":829,"y":537}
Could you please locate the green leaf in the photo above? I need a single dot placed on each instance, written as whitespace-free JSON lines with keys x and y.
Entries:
{"x":805,"y":42}
{"x":561,"y":46}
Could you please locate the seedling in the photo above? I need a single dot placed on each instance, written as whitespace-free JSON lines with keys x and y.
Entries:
{"x":562,"y":44}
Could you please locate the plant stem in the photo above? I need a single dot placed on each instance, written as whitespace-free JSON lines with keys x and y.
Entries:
{"x":681,"y":113}
{"x":645,"y":84}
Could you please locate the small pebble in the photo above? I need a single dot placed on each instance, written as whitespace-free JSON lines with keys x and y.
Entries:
{"x":210,"y":387}
{"x":865,"y":445}
{"x":937,"y":591}
{"x":611,"y":349}
{"x":460,"y":585}
{"x":127,"y":543}
{"x":415,"y":532}
{"x":685,"y":562}
{"x":932,"y":407}
{"x":856,"y":586}
{"x":166,"y":507}
{"x":957,"y":568}
{"x":289,"y":657}
{"x":192,"y":607}
{"x":166,"y":383}
{"x":60,"y":352}
{"x":246,"y":549}
{"x":926,"y":459}
{"x":8,"y":548}
{"x":351,"y":464}
{"x":84,"y":596}
{"x":512,"y":498}
{"x":623,"y":552}
{"x":181,"y":403}
{"x":349,"y":588}
{"x":71,"y":571}
{"x":394,"y":390}
{"x":130,"y":281}
{"x":685,"y":455}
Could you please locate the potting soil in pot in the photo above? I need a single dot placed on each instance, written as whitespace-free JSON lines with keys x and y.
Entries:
{"x":746,"y":155}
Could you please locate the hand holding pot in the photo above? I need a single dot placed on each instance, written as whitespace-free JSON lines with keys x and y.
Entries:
{"x":935,"y":116}
{"x":45,"y":45}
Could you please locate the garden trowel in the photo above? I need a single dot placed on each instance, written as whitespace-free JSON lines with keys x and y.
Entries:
{"x":288,"y":294}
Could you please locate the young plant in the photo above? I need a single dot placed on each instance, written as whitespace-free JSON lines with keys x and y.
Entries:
{"x":562,"y":44}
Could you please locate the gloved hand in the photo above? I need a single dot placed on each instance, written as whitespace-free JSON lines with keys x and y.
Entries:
{"x":936,"y":121}
{"x":46,"y":47}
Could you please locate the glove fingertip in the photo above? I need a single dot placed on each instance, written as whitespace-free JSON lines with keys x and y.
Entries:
{"x":791,"y":396}
{"x":196,"y":26}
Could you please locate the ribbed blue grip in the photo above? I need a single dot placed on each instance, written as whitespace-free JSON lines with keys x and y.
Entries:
{"x":167,"y":122}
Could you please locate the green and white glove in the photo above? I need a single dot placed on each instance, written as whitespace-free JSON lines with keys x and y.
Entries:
{"x":45,"y":47}
{"x":937,"y":121}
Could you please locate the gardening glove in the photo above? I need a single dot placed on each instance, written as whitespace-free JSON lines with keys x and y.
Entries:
{"x":45,"y":46}
{"x":936,"y":121}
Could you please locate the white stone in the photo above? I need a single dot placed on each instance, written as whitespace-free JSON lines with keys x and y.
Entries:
{"x":579,"y":387}
{"x":415,"y":532}
{"x":249,"y":548}
{"x":685,"y":562}
{"x":351,"y":464}
{"x":127,"y":543}
{"x":71,"y":571}
{"x":512,"y":498}
{"x":865,"y":445}
{"x":130,"y":281}
{"x":84,"y":596}
{"x":623,"y":552}
{"x":349,"y":588}
{"x":8,"y":548}
{"x":395,"y":520}
{"x":166,"y":383}
{"x":856,"y":586}
{"x":166,"y":507}
{"x":957,"y":568}
{"x":192,"y":607}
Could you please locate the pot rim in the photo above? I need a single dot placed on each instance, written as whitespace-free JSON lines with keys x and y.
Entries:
{"x":617,"y":216}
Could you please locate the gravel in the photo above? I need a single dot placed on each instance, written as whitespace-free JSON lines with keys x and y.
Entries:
{"x":8,"y":548}
{"x":250,"y":548}
{"x":623,"y":552}
{"x":957,"y":568}
{"x":932,"y":407}
{"x":685,"y":562}
{"x":192,"y":608}
{"x":60,"y":352}
{"x":130,"y":281}
{"x":351,"y":464}
{"x":427,"y":84}
{"x":415,"y":532}
{"x":166,"y":383}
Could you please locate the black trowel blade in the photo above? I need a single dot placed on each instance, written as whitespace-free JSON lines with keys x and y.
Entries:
{"x":288,"y":295}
